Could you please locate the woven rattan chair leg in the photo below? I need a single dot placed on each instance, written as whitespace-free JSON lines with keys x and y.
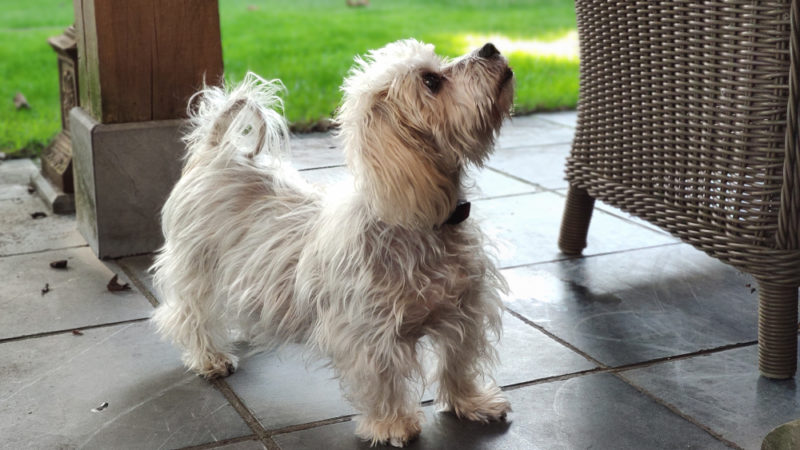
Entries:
{"x":777,"y":330}
{"x":575,"y":223}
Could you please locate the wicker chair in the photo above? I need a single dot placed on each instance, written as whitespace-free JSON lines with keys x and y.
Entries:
{"x":688,"y":119}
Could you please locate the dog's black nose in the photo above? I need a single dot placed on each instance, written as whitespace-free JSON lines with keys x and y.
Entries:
{"x":488,"y":51}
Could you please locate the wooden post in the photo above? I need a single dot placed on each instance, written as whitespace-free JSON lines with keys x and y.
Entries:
{"x":139,"y":61}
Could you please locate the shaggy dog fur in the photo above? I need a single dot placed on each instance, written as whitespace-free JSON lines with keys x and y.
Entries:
{"x":363,"y":273}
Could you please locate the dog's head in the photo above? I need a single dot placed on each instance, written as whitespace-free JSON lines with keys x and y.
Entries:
{"x":411,"y":121}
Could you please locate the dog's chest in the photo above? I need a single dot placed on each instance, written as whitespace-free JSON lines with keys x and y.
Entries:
{"x":434,"y":279}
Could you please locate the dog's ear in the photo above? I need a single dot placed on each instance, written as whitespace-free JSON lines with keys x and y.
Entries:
{"x":399,"y":170}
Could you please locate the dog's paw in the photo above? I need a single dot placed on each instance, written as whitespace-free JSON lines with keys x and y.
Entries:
{"x":397,"y":432}
{"x":487,"y":406}
{"x":217,"y":365}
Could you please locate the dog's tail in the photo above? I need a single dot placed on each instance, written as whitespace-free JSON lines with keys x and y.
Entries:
{"x":240,"y":121}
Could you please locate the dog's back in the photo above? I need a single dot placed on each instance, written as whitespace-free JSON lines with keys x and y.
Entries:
{"x":236,"y":208}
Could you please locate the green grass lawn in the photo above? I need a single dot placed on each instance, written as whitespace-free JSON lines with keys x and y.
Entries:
{"x":309,"y":44}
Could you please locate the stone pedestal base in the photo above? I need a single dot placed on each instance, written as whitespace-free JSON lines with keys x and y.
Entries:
{"x":58,"y":201}
{"x":123,"y":174}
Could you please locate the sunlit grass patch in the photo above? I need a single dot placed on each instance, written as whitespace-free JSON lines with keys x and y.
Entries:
{"x":309,"y":45}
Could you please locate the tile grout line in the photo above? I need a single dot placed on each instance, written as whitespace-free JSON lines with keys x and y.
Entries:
{"x":69,"y":330}
{"x":618,"y":372}
{"x":310,"y":425}
{"x":245,"y":413}
{"x":516,"y":178}
{"x":553,"y":378}
{"x":604,"y":368}
{"x":674,"y":409}
{"x":570,"y":258}
{"x":533,"y":146}
{"x":556,"y":338}
{"x":138,"y":283}
{"x":536,"y":190}
{"x":230,"y":395}
{"x":542,"y":189}
{"x":681,"y":357}
{"x":217,"y":444}
{"x":309,"y":169}
{"x":571,"y":127}
{"x":616,"y":215}
{"x":601,"y":369}
{"x":44,"y":250}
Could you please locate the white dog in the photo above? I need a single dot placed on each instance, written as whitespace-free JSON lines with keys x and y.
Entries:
{"x":362,"y":275}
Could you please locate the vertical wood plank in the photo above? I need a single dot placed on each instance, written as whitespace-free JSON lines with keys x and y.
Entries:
{"x":126,"y":38}
{"x":89,"y":75}
{"x":195,"y":48}
{"x":141,"y":59}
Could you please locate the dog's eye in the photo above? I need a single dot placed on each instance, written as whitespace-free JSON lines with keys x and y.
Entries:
{"x":432,"y":81}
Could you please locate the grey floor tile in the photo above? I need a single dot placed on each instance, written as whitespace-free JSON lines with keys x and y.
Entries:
{"x":618,"y":212}
{"x":50,"y":386}
{"x":725,"y":392}
{"x":314,"y":150}
{"x":543,"y":165}
{"x":249,"y":444}
{"x":636,"y":306}
{"x":565,"y":118}
{"x":20,"y":232}
{"x":287,"y":387}
{"x":525,"y":354}
{"x":527,"y":131}
{"x":571,"y":414}
{"x":524,"y":229}
{"x":328,"y":176}
{"x":77,"y":296}
{"x":15,"y":192}
{"x":23,"y":234}
{"x":484,"y":183}
{"x":489,"y":183}
{"x":16,"y":171}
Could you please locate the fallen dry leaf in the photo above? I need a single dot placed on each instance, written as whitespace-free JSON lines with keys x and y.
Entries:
{"x":77,"y":332}
{"x":60,"y":264}
{"x":102,"y":406}
{"x":45,"y":289}
{"x":21,"y":102}
{"x":31,"y":189}
{"x":114,"y":285}
{"x":38,"y":215}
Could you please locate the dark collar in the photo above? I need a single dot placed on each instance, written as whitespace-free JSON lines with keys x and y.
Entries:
{"x":459,"y":214}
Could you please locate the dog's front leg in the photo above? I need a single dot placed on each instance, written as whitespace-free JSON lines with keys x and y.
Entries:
{"x":378,"y":373}
{"x":464,"y":353}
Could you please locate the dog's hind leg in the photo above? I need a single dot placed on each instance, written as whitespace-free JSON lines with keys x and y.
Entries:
{"x":200,"y":333}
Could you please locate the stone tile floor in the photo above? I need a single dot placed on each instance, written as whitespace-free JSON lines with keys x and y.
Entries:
{"x":644,"y":343}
